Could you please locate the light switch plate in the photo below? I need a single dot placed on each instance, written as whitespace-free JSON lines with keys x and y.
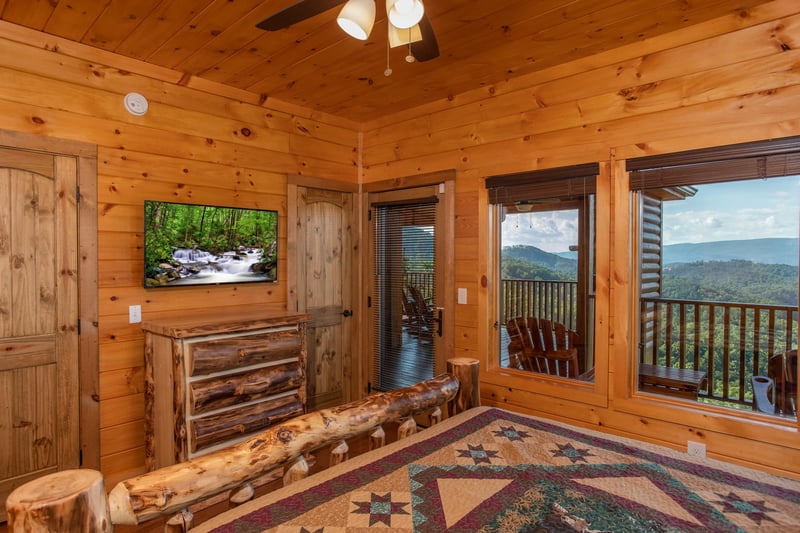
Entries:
{"x":462,"y":295}
{"x":134,"y":314}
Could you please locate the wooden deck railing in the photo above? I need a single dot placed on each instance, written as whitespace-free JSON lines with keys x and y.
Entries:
{"x":553,"y":300}
{"x":422,"y":280}
{"x":729,"y":341}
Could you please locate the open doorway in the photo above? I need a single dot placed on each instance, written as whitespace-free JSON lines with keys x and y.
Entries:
{"x":406,"y":293}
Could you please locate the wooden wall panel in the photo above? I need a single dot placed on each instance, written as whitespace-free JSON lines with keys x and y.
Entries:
{"x":192,"y":146}
{"x":124,"y":464}
{"x":725,"y":81}
{"x":122,"y":437}
{"x":122,"y":354}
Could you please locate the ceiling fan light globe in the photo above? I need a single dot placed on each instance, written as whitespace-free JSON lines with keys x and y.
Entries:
{"x":357,"y":18}
{"x":406,"y":13}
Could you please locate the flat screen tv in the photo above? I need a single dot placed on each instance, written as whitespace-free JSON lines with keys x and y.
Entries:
{"x":187,"y":244}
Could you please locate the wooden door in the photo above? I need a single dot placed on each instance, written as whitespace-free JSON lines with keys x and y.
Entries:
{"x":39,"y":382}
{"x":324,"y":244}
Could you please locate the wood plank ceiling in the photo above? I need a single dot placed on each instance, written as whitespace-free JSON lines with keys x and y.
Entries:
{"x":315,"y":65}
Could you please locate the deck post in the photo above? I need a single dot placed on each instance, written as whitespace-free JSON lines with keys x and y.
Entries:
{"x":467,"y":371}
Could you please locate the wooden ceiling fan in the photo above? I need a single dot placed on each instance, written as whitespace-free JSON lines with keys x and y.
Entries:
{"x":421,"y":39}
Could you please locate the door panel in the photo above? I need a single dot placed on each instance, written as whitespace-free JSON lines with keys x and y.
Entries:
{"x":323,"y":251}
{"x":38,"y":317}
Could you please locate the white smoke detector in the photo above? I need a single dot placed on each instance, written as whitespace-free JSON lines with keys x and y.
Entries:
{"x":136,"y":104}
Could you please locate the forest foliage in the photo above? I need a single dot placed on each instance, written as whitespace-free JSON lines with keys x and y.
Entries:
{"x":734,"y":281}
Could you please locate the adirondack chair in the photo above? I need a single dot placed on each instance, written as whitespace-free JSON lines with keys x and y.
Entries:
{"x":776,"y":393}
{"x":422,"y":314}
{"x":539,"y":345}
{"x":408,"y":313}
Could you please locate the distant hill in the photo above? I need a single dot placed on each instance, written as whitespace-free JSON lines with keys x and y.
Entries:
{"x":776,"y":251}
{"x":769,"y":251}
{"x":529,"y":262}
{"x":536,"y":255}
{"x":760,"y":271}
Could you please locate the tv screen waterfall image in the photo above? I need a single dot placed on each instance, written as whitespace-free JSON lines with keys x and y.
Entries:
{"x":202,"y":245}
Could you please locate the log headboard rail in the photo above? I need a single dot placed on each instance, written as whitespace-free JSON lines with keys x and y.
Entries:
{"x":76,"y":500}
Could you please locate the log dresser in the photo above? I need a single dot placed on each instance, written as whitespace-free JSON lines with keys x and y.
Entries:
{"x":214,"y":380}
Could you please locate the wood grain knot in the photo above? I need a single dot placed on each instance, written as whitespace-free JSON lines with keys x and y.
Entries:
{"x":285,"y":435}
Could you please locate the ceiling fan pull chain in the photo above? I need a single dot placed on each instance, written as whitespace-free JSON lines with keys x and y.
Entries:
{"x":388,"y":71}
{"x":410,"y":57}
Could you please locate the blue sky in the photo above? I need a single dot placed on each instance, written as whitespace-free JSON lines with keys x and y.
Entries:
{"x":726,"y":211}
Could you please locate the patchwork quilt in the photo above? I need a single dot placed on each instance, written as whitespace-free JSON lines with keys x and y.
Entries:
{"x":494,"y":470}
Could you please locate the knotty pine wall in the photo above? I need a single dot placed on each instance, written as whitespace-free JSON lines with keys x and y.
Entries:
{"x":192,"y":145}
{"x":730,"y":80}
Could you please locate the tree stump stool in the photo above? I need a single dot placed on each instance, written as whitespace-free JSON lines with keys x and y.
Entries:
{"x":70,"y":500}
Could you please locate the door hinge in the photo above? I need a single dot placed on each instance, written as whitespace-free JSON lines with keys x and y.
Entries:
{"x":80,"y":457}
{"x":78,"y":193}
{"x":369,"y":301}
{"x":79,"y":326}
{"x":369,"y":387}
{"x":369,"y":214}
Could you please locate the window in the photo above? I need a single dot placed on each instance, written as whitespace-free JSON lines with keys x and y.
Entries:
{"x":717,"y":236}
{"x":545,"y":234}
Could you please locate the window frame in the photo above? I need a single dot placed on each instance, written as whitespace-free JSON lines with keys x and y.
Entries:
{"x":591,"y":393}
{"x":738,"y":162}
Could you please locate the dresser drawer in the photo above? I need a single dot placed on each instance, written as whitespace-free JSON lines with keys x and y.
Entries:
{"x":243,"y":387}
{"x":214,"y":379}
{"x":226,"y":353}
{"x":225,"y":426}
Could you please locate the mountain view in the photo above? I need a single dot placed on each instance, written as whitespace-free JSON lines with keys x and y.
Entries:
{"x":769,"y":251}
{"x":756,"y":271}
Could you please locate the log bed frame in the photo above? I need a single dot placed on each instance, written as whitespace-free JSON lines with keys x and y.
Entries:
{"x":76,"y":500}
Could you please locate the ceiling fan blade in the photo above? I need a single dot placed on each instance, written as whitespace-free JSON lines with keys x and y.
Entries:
{"x":297,"y":12}
{"x":427,"y":48}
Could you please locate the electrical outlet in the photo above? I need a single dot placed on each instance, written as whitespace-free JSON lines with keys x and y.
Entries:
{"x":134,"y":314}
{"x":696,"y":449}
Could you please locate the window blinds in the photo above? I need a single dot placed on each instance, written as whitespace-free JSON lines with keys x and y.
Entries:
{"x":762,"y":159}
{"x":563,"y":183}
{"x":403,"y":351}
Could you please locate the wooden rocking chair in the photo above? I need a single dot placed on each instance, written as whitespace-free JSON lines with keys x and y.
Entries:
{"x":539,"y":345}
